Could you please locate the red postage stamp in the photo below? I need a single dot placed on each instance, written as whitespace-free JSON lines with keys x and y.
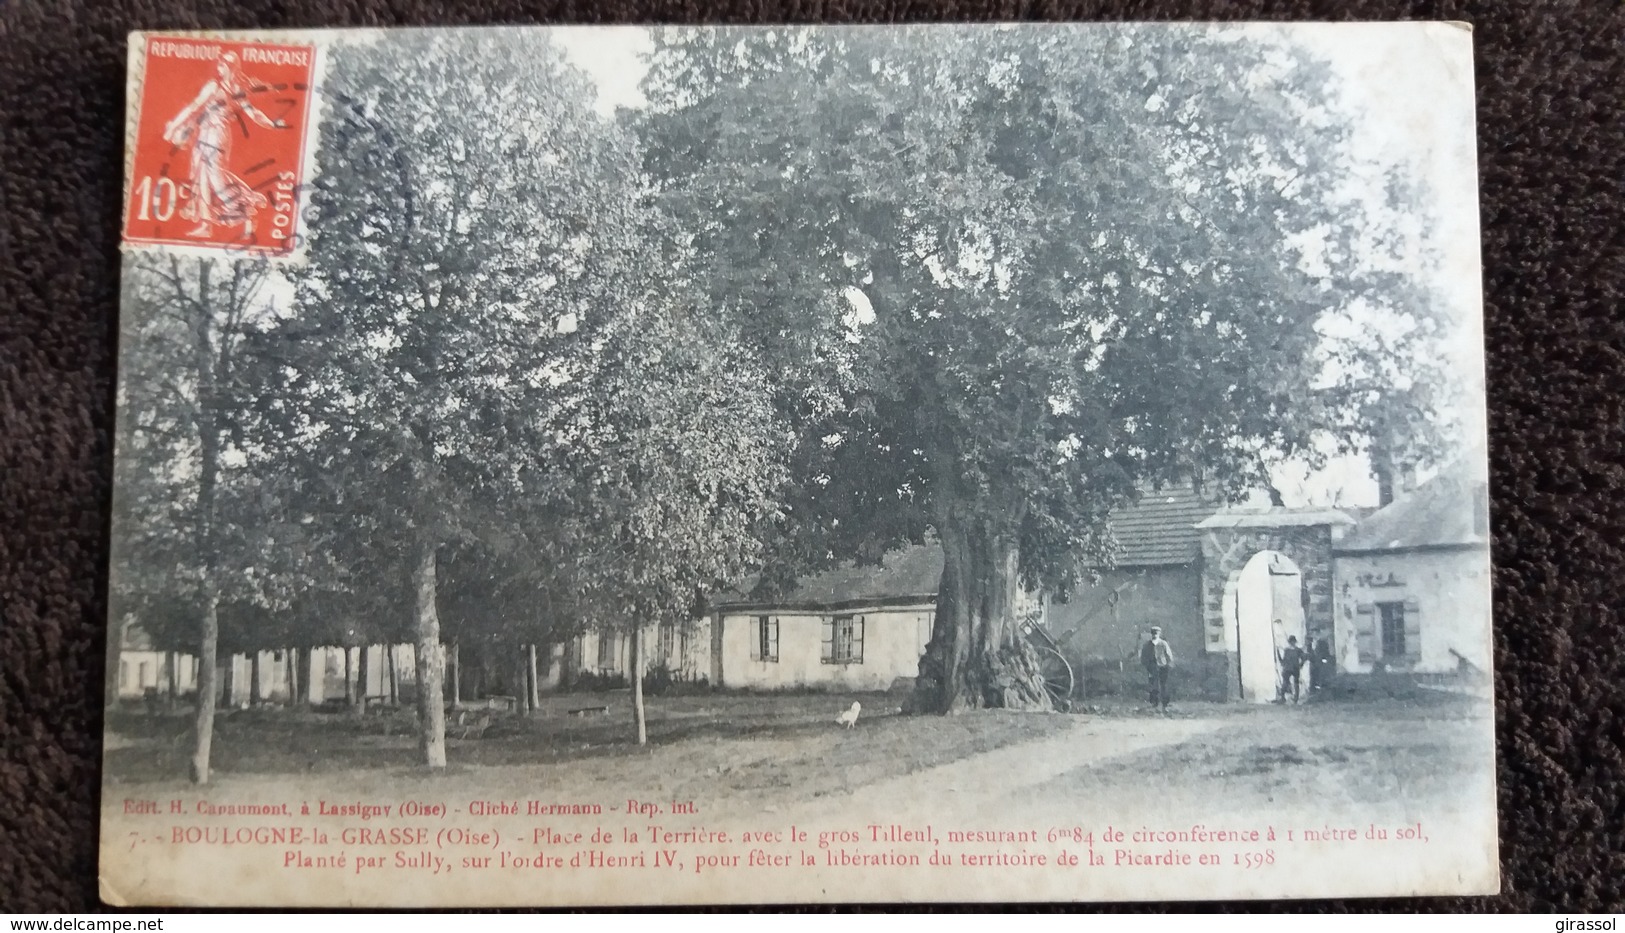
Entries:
{"x":219,"y":145}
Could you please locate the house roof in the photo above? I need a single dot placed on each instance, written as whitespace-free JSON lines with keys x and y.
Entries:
{"x":908,"y":575}
{"x":1449,"y":510}
{"x":1160,"y":529}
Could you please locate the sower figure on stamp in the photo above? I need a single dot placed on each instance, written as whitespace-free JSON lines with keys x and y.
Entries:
{"x":218,"y":196}
{"x":1293,"y":659}
{"x":1158,"y":660}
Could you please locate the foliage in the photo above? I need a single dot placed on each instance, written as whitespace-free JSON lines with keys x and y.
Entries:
{"x":1036,"y":269}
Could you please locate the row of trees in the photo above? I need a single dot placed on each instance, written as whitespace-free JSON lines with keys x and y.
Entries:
{"x":829,"y":292}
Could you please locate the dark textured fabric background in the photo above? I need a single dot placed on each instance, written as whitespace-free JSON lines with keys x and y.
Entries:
{"x":1551,"y":84}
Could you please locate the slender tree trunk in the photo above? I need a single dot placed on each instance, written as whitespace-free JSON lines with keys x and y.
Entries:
{"x":171,"y":662}
{"x":292,"y":676}
{"x":314,"y":681}
{"x":349,"y":680}
{"x":977,"y":657}
{"x":534,"y":685}
{"x":210,"y":352}
{"x":394,"y":675}
{"x":456,"y":675}
{"x":521,"y":682}
{"x":228,"y":680}
{"x":363,"y":674}
{"x":640,"y":720}
{"x":255,"y":684}
{"x":208,"y":660}
{"x":431,"y":711}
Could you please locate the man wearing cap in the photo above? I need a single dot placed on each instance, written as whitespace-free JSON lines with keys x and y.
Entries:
{"x":1157,"y":659}
{"x":1292,"y":659}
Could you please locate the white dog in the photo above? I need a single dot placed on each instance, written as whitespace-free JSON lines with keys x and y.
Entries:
{"x":850,"y":717}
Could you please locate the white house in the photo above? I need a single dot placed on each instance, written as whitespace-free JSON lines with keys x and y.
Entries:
{"x":683,"y":652}
{"x":853,"y":628}
{"x":1413,"y":580}
{"x":141,"y":667}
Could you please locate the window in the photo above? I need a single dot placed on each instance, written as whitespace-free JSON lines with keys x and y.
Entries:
{"x":843,"y":640}
{"x":1392,"y":631}
{"x":767,"y":638}
{"x":141,"y":674}
{"x":666,"y":645}
{"x":124,"y":673}
{"x":606,"y":652}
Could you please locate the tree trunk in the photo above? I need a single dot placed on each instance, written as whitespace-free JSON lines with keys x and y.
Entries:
{"x":255,"y":685}
{"x":228,"y":681}
{"x":456,"y":675}
{"x":292,"y":657}
{"x":362,"y":675}
{"x":171,"y":662}
{"x":532,"y":684}
{"x":394,"y":675}
{"x":636,"y":664}
{"x":315,"y":681}
{"x":208,"y":661}
{"x":431,"y":711}
{"x":977,"y":657}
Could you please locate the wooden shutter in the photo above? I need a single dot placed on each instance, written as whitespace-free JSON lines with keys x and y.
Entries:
{"x":1365,"y":633}
{"x":827,"y":649}
{"x":772,"y":639}
{"x":1413,"y":631}
{"x":756,"y":637}
{"x":857,"y":641}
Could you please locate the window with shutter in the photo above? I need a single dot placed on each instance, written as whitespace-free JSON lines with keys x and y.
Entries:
{"x":668,"y":645}
{"x":844,"y":640}
{"x":1413,"y":631}
{"x":767,"y":639}
{"x":606,"y":652}
{"x":827,"y":648}
{"x":1365,"y":633}
{"x":1393,"y":631}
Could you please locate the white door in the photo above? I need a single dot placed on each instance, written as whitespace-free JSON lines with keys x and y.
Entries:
{"x":1269,"y":609}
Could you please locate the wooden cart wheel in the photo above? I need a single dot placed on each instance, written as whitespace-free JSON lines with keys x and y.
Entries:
{"x":1057,"y":673}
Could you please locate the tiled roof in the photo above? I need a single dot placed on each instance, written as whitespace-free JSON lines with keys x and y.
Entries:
{"x":910,"y":572}
{"x":1157,"y":531}
{"x":1451,"y":509}
{"x":1160,"y":529}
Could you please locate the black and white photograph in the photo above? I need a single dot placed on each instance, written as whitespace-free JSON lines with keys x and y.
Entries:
{"x":624,"y":466}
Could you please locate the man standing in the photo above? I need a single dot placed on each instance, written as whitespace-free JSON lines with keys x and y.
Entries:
{"x":1320,"y":666}
{"x":1292,"y":661}
{"x":1158,"y":660}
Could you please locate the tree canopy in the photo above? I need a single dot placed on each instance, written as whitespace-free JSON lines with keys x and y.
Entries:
{"x":1037,"y":268}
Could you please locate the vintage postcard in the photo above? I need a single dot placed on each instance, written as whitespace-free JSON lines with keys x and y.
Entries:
{"x":648,"y":466}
